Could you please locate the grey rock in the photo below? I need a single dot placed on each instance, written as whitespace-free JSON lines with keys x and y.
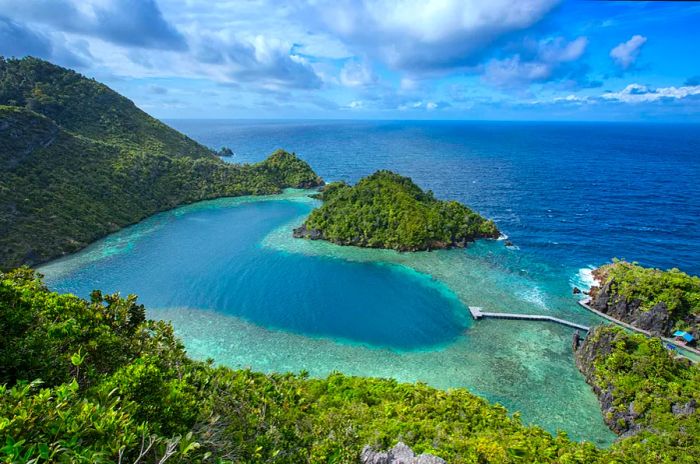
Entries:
{"x":304,"y":232}
{"x":657,"y":320}
{"x":684,"y":409}
{"x":399,"y":454}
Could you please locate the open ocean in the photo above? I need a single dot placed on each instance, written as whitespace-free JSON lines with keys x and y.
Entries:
{"x":238,"y":288}
{"x":572,"y":194}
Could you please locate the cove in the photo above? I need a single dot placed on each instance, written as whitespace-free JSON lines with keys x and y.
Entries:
{"x":239,"y":289}
{"x":209,"y":257}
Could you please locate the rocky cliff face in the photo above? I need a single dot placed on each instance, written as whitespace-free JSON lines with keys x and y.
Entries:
{"x":656,"y":320}
{"x":399,"y":454}
{"x":623,"y":419}
{"x":599,"y":343}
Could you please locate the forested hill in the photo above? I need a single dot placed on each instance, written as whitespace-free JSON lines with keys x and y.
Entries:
{"x":73,"y":168}
{"x":88,"y":108}
{"x":386,"y":210}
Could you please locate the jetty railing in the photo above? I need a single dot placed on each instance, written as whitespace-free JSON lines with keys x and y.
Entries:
{"x":477,"y":313}
{"x":585,"y":304}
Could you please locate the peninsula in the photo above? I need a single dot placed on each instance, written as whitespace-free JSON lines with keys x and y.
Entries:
{"x":79,"y":161}
{"x":386,"y":210}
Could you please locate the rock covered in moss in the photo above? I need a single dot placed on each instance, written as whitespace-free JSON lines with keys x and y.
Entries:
{"x":650,"y":299}
{"x":399,"y":454}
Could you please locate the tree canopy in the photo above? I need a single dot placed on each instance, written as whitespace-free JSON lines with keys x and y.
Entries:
{"x":78,"y":161}
{"x":386,"y":210}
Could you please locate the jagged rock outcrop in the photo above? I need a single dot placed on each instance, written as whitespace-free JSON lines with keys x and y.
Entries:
{"x":657,"y":320}
{"x":399,"y":454}
{"x":304,"y":232}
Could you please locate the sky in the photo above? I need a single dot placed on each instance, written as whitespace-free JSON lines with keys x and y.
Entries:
{"x":376,"y":59}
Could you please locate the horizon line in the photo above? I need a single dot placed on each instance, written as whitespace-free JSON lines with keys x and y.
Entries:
{"x":563,"y":121}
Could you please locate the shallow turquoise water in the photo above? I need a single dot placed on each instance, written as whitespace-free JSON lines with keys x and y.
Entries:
{"x":238,"y":288}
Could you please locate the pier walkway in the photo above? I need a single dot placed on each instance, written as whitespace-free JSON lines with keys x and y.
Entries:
{"x":585,"y":304}
{"x":478,"y":313}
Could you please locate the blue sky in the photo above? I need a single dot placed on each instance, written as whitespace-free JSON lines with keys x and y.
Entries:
{"x":399,"y":59}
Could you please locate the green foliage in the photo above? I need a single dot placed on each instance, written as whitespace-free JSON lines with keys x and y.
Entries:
{"x":639,"y":371}
{"x":386,"y":210}
{"x":88,"y":108}
{"x":101,"y":164}
{"x":136,"y":385}
{"x":146,"y":390}
{"x":679,"y":291}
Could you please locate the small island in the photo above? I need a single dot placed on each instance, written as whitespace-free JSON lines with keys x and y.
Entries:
{"x":386,"y":210}
{"x":660,"y":302}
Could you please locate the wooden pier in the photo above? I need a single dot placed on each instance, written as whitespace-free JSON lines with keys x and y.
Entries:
{"x":477,"y":313}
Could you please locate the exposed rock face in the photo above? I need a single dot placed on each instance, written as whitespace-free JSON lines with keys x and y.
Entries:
{"x":399,"y":454}
{"x":597,"y":344}
{"x":656,"y":320}
{"x":685,"y":409}
{"x":309,"y":184}
{"x":304,"y":232}
{"x":625,"y":421}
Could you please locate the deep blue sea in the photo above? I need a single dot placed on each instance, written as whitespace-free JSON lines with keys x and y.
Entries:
{"x":572,"y":194}
{"x":238,"y":288}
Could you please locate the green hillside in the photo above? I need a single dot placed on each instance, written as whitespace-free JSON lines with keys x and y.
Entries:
{"x":68,"y":181}
{"x":88,"y":108}
{"x":88,"y":380}
{"x":386,"y":210}
{"x":110,"y":378}
{"x":646,"y":393}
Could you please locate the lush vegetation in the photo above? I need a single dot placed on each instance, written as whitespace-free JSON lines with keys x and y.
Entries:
{"x":101,"y":164}
{"x":386,"y":210}
{"x":678,"y":291}
{"x":90,"y":381}
{"x":647,"y":392}
{"x":88,"y":108}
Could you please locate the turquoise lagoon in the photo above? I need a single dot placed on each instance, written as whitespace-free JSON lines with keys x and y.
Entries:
{"x":239,"y":289}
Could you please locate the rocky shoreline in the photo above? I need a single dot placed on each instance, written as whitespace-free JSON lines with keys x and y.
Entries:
{"x":599,"y":343}
{"x":624,"y":420}
{"x":603,"y":298}
{"x":314,"y":234}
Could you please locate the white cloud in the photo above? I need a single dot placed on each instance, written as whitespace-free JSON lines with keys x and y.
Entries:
{"x":637,"y":93}
{"x":136,"y":23}
{"x":265,"y":61}
{"x":626,"y":53}
{"x":572,"y":99}
{"x":549,"y":61}
{"x":559,"y":51}
{"x":357,"y":74}
{"x":426,"y":35}
{"x":408,"y":84}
